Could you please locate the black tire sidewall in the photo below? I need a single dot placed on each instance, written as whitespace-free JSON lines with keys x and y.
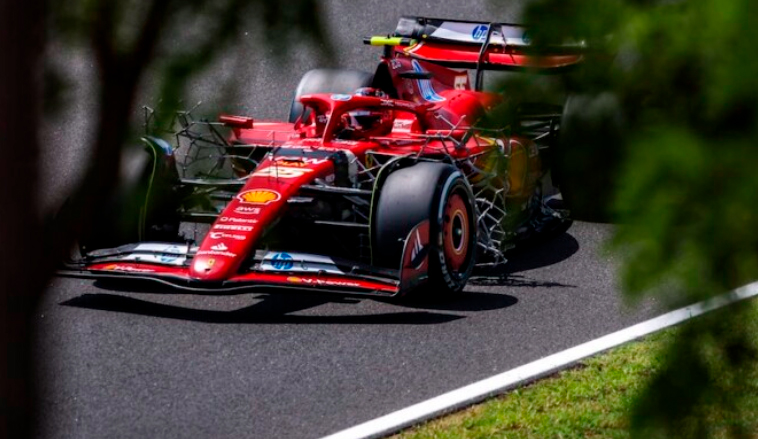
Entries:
{"x":414,"y":194}
{"x":441,"y":275}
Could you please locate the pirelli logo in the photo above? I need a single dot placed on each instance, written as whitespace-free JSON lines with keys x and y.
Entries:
{"x":233,"y":227}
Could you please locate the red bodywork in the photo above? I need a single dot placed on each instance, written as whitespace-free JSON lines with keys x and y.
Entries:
{"x":428,"y":113}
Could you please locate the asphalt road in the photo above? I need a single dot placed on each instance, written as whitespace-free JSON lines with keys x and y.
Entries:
{"x":120,"y":363}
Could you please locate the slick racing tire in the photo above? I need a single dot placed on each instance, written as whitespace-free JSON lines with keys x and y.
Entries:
{"x":328,"y":81}
{"x":586,"y":161}
{"x":437,"y":192}
{"x":144,"y":206}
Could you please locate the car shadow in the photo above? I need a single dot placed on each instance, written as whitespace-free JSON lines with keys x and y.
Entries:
{"x":278,"y":308}
{"x":515,"y":281}
{"x":273,"y":309}
{"x":541,"y":254}
{"x":530,"y":257}
{"x":469,"y":301}
{"x":525,"y":258}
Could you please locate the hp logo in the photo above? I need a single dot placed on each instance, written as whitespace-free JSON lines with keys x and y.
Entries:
{"x":480,"y":32}
{"x":282,"y":261}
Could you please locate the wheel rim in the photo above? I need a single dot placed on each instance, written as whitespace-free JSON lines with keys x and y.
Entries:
{"x":455,"y":232}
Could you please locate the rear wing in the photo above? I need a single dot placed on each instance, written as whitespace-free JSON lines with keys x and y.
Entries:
{"x":478,"y":45}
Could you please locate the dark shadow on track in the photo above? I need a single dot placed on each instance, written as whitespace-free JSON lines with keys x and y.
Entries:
{"x":468,"y":301}
{"x":541,"y":254}
{"x":530,"y":257}
{"x":515,"y":281}
{"x":273,"y":309}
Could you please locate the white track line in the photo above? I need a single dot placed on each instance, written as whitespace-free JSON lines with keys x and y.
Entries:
{"x":478,"y":391}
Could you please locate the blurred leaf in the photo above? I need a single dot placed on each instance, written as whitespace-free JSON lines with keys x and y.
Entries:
{"x":686,"y":73}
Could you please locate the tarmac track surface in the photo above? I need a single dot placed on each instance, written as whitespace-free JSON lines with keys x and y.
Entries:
{"x":117,"y":362}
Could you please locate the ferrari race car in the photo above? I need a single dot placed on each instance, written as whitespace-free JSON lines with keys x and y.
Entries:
{"x":379,"y":184}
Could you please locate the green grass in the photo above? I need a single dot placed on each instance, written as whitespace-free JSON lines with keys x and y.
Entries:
{"x":590,"y":400}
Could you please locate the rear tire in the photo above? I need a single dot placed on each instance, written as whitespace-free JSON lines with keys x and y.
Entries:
{"x":437,"y":192}
{"x":328,"y":81}
{"x":589,"y":151}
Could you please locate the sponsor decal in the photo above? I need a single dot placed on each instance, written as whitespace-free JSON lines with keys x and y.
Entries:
{"x":233,"y":227}
{"x":300,"y":262}
{"x":222,"y":235}
{"x":220,"y":247}
{"x":395,"y":64}
{"x":322,"y":282}
{"x":401,"y":124}
{"x":460,"y":82}
{"x":405,"y":104}
{"x":480,"y":32}
{"x":397,"y":104}
{"x":259,"y":196}
{"x":425,"y":85}
{"x":210,"y":262}
{"x":246,"y":210}
{"x":231,"y":219}
{"x":158,"y":248}
{"x":281,"y":172}
{"x":155,"y":259}
{"x":116,"y":267}
{"x":298,"y":162}
{"x":466,"y":32}
{"x":170,"y":258}
{"x":167,"y":259}
{"x":341,"y":97}
{"x":282,"y":261}
{"x":217,"y":253}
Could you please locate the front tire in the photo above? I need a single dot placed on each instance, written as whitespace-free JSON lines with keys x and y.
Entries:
{"x":432,"y":191}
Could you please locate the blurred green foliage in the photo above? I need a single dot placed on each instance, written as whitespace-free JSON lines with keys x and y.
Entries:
{"x":686,"y":76}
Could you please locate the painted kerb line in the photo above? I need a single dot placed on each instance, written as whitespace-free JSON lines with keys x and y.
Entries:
{"x":494,"y":385}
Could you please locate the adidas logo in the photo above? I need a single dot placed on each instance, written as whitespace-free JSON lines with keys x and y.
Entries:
{"x":220,"y":247}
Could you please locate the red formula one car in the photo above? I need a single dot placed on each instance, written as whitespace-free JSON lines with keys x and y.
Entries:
{"x":379,"y":184}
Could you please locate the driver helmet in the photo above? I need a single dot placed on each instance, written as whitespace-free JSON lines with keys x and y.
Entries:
{"x":371,"y":91}
{"x":367,"y":122}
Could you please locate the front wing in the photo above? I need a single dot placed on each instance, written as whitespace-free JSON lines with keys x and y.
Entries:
{"x":168,"y":264}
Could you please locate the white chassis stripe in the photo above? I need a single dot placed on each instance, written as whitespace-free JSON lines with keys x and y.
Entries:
{"x":478,"y":391}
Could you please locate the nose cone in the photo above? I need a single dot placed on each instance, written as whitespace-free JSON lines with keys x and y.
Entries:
{"x":210,"y":268}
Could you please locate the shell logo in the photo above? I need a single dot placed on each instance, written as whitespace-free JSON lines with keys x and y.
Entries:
{"x":294,"y":280}
{"x":258,"y":196}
